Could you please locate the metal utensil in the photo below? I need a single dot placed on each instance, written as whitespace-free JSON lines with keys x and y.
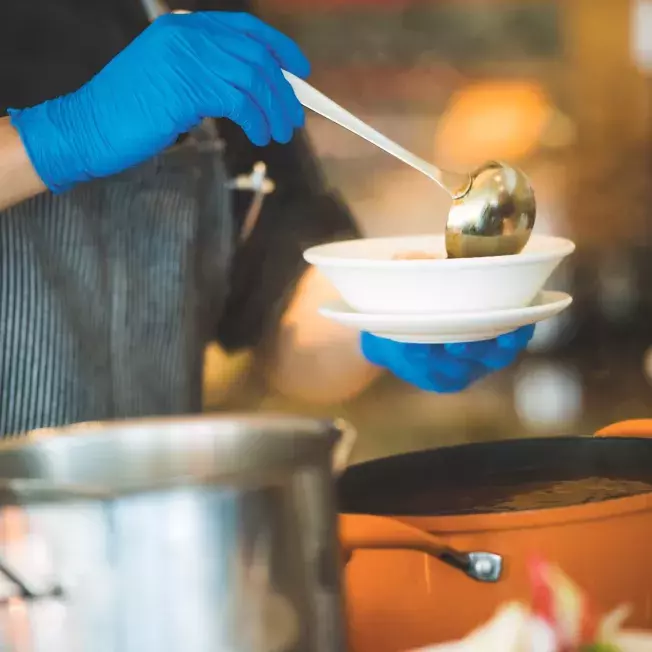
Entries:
{"x":496,"y":215}
{"x":202,"y":534}
{"x":260,"y":185}
{"x":493,"y":208}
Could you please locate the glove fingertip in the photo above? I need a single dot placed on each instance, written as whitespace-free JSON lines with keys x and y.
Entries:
{"x":258,"y":139}
{"x":369,"y":346}
{"x":300,"y":119}
{"x":283,"y":140}
{"x":445,"y":385}
{"x":506,"y":341}
{"x":517,"y":339}
{"x":500,"y":359}
{"x":456,"y":348}
{"x":528,"y":332}
{"x":300,"y":66}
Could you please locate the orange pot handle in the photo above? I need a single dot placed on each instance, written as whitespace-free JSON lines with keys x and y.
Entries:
{"x":633,"y":428}
{"x":366,"y":532}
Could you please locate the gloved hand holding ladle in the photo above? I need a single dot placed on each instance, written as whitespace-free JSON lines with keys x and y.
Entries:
{"x":493,"y":209}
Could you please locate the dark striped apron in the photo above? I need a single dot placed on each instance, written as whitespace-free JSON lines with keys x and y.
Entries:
{"x":109,"y":293}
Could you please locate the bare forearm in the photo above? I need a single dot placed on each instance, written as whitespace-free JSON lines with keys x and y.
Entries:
{"x":18,"y":179}
{"x":315,"y":360}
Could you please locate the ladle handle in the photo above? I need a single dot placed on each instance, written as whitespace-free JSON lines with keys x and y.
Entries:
{"x":365,"y":532}
{"x":313,"y":99}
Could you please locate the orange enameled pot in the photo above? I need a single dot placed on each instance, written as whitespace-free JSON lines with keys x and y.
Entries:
{"x":410,"y":580}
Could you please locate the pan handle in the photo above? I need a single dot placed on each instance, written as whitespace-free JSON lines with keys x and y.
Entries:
{"x":22,"y":492}
{"x":641,"y":428}
{"x":365,"y":532}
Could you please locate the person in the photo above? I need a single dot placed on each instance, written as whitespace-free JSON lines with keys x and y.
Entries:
{"x":120,"y":255}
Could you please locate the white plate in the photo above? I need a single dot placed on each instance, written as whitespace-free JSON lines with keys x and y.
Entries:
{"x":449,"y":327}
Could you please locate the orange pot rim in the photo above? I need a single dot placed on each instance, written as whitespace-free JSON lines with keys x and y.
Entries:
{"x":524,"y":519}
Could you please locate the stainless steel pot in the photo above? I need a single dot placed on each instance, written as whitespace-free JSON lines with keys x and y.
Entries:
{"x":204,"y":534}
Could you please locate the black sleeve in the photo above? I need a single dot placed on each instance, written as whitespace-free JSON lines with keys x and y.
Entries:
{"x":300,"y":212}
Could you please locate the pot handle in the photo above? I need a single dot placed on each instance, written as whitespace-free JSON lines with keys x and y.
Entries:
{"x":632,"y":428}
{"x":25,"y":591}
{"x":365,"y":532}
{"x":18,"y":492}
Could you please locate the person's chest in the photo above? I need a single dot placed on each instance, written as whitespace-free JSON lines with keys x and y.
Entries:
{"x":52,"y":47}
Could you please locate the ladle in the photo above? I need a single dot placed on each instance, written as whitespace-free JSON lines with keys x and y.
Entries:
{"x":493,"y":209}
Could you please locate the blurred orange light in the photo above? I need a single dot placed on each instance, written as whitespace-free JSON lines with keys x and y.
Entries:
{"x":492,"y":120}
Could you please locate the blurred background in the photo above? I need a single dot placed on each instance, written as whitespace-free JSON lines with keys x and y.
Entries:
{"x":566,"y":86}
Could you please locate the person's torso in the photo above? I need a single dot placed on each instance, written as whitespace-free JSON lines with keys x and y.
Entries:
{"x":110,"y":292}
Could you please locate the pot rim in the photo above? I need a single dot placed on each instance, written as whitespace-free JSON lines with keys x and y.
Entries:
{"x":532,"y":518}
{"x":521,"y":519}
{"x":131,"y":455}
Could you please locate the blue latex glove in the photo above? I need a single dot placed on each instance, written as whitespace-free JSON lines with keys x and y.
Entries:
{"x":445,"y":368}
{"x":183,"y":68}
